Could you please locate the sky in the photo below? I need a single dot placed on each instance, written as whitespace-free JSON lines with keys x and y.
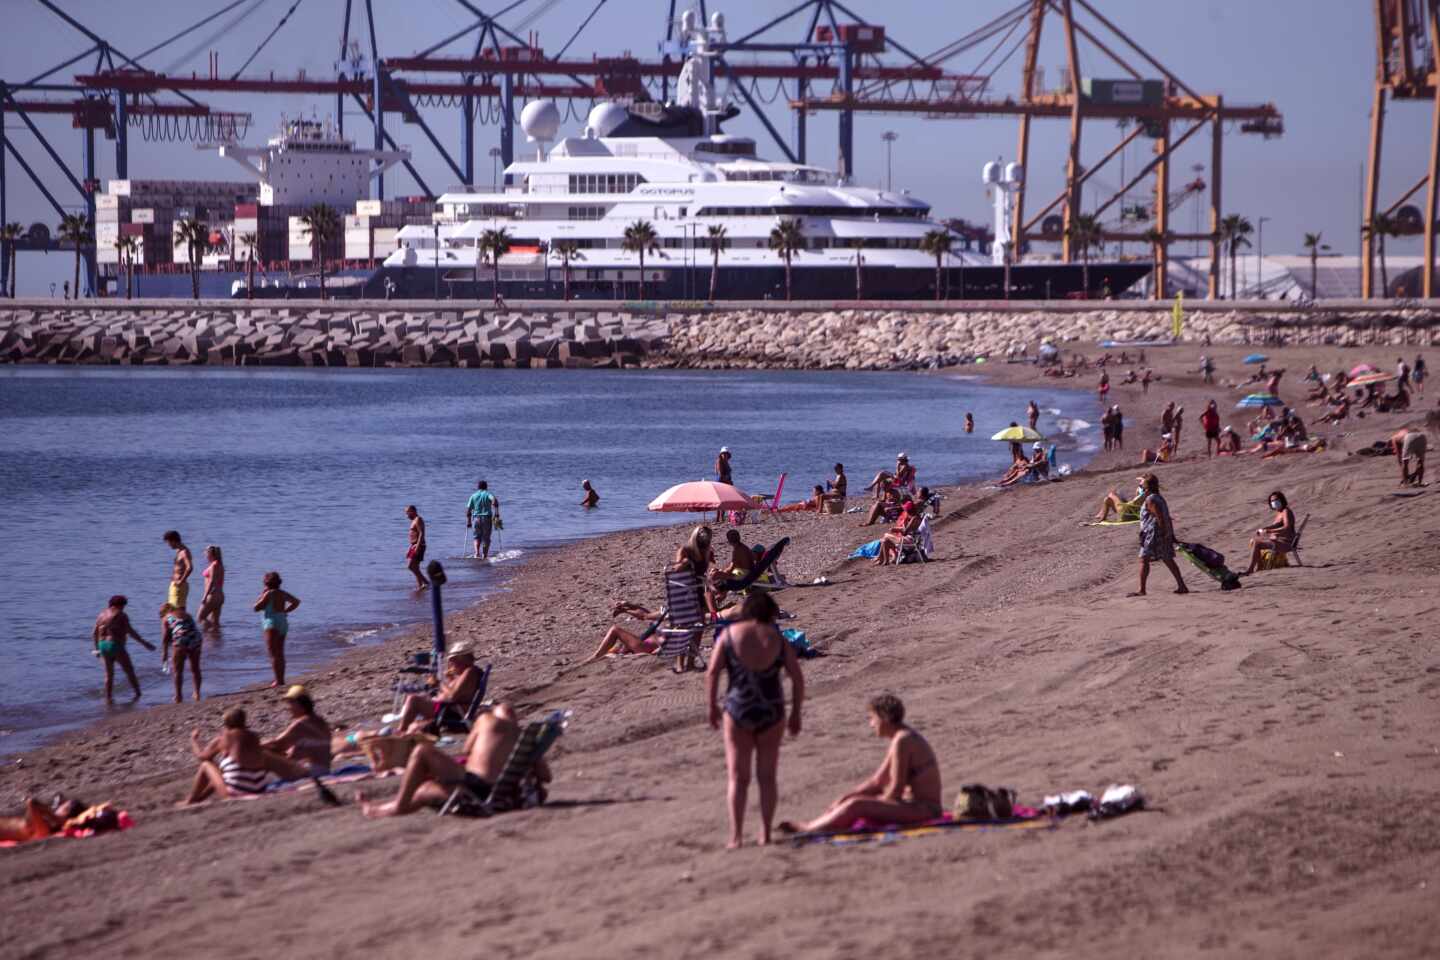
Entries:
{"x":1314,"y":59}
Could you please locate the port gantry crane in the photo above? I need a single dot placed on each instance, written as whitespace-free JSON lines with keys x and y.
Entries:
{"x":1407,"y":68}
{"x":1156,"y":104}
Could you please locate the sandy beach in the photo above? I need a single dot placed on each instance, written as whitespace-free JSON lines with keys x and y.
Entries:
{"x":1284,"y":735}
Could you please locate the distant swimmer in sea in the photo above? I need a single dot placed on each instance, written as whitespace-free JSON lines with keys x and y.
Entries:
{"x":1104,"y":385}
{"x":180,"y":570}
{"x":969,"y":423}
{"x":1032,"y":412}
{"x":275,"y":606}
{"x":112,"y":628}
{"x":178,"y":628}
{"x":213,"y":599}
{"x":415,"y":555}
{"x":431,"y":774}
{"x":482,"y":514}
{"x":906,"y":789}
{"x":591,"y":498}
{"x":753,"y":717}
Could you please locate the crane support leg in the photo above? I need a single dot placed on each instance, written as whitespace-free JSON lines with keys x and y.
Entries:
{"x":1072,"y":166}
{"x":1217,"y":210}
{"x":1372,"y":190}
{"x":1427,"y":268}
{"x":1162,"y":209}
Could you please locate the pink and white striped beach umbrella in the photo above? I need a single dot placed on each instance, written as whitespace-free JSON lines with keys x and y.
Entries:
{"x":701,"y":495}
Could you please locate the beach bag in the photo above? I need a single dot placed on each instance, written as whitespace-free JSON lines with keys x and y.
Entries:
{"x":979,"y":802}
{"x":1117,"y":800}
{"x":1212,"y":562}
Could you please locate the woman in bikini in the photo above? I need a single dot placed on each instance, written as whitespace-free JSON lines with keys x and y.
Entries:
{"x":178,"y":627}
{"x":307,"y":739}
{"x":753,"y":653}
{"x":235,"y":763}
{"x":275,"y":606}
{"x":214,"y":597}
{"x":1279,"y":534}
{"x":620,"y":640}
{"x":905,"y":790}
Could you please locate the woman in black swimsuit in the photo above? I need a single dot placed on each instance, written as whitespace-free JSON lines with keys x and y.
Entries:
{"x":753,"y":652}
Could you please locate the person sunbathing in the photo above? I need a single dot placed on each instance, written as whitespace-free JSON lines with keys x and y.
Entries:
{"x":1124,"y":510}
{"x":620,"y":640}
{"x":885,"y":507}
{"x":235,"y":763}
{"x":1337,"y":413}
{"x":1275,"y":537}
{"x":307,"y":738}
{"x":906,"y":789}
{"x":816,"y":502}
{"x":1033,"y":470}
{"x":38,"y":821}
{"x":1229,"y":441}
{"x":431,"y":775}
{"x":906,"y":525}
{"x":457,"y":690}
{"x":1163,"y":455}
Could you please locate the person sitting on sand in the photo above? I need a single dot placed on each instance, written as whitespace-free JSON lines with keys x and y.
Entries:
{"x":179,"y":628}
{"x":307,"y":739}
{"x":1125,"y":510}
{"x":1229,"y":441}
{"x":904,"y":472}
{"x":906,"y":525}
{"x":1338,"y":411}
{"x":754,"y":654}
{"x":1164,"y":455}
{"x":1033,"y":470}
{"x":1130,"y":377}
{"x":235,"y":763}
{"x":112,"y":628}
{"x":815,"y":502}
{"x":835,"y":490}
{"x":906,"y":789}
{"x":620,"y":640}
{"x":695,"y":554}
{"x":1409,"y":446}
{"x":591,"y":498}
{"x":1277,"y":536}
{"x":742,"y":558}
{"x":1157,"y":534}
{"x":885,"y":506}
{"x":431,"y":774}
{"x":457,"y":690}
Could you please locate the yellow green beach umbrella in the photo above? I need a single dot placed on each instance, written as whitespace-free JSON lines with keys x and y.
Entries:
{"x":1017,"y":434}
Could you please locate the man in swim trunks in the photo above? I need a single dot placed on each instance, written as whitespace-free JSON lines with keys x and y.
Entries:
{"x":430,"y":774}
{"x":1409,"y":446}
{"x":906,"y":789}
{"x":591,"y":499}
{"x":461,"y":678}
{"x":112,"y":628}
{"x":416,"y":554}
{"x":180,"y":570}
{"x":481,"y":512}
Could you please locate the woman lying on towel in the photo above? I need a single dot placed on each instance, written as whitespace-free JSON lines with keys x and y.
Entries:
{"x":40,"y":820}
{"x":905,"y":790}
{"x":620,"y":640}
{"x":1124,"y":510}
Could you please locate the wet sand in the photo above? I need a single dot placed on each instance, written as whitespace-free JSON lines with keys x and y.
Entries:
{"x":1285,"y":733}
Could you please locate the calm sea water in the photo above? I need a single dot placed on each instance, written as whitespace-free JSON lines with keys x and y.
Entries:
{"x":308,"y":472}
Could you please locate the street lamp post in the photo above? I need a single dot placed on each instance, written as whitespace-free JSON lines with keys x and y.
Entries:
{"x":889,"y":136}
{"x":494,"y":169}
{"x":437,"y":261}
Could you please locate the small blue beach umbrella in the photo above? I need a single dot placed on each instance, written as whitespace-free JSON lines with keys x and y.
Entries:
{"x":1260,"y":400}
{"x":1256,"y":358}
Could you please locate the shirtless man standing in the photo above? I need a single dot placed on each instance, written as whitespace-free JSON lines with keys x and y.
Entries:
{"x":112,"y":628}
{"x":431,"y":774}
{"x":180,"y":570}
{"x":416,"y":554}
{"x":1409,"y":446}
{"x":906,"y":788}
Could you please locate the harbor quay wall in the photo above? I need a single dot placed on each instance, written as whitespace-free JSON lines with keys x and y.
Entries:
{"x":652,"y":334}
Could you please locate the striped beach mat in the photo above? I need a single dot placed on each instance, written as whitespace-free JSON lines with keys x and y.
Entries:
{"x":932,"y":828}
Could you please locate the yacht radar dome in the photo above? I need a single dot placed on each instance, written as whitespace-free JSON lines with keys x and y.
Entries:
{"x":990,"y":173}
{"x":540,"y":120}
{"x":605,"y":118}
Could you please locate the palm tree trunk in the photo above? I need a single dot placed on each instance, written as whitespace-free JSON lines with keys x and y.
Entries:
{"x":496,"y":283}
{"x":130,"y":278}
{"x":14,"y":262}
{"x":642,"y":274}
{"x":479,"y":256}
{"x":250,"y":276}
{"x":787,"y":278}
{"x":566,"y":268}
{"x":1085,"y":271}
{"x":76,"y":288}
{"x":1234,"y":292}
{"x":1314,"y":255}
{"x":937,"y":276}
{"x":714,"y":273}
{"x":322,"y":275}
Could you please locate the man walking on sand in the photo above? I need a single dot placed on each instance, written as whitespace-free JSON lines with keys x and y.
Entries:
{"x":180,"y":570}
{"x":1409,"y":446}
{"x":481,"y":513}
{"x":416,"y":554}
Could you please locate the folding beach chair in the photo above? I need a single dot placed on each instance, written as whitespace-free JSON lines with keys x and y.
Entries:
{"x":917,"y":547}
{"x":684,"y":622}
{"x":766,"y":504}
{"x":1294,"y":546}
{"x":516,"y":787}
{"x":451,"y":720}
{"x":758,"y":578}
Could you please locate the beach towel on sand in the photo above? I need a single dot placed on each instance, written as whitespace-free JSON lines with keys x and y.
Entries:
{"x":1025,"y":819}
{"x":1109,"y":523}
{"x":866,"y":551}
{"x":77,"y":828}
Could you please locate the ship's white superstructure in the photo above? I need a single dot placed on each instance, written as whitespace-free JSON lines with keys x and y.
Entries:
{"x":308,"y":162}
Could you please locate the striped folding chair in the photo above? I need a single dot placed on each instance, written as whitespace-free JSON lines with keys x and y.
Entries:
{"x":684,"y":622}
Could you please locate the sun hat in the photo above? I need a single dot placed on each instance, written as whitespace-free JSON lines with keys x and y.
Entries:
{"x":460,"y":650}
{"x":295,"y":692}
{"x":724,"y":449}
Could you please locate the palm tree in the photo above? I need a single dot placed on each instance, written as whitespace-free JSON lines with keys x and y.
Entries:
{"x":859,"y":273}
{"x":566,"y":250}
{"x":787,"y":240}
{"x":937,"y":243}
{"x":640,"y":238}
{"x":248,"y":241}
{"x":494,"y":244}
{"x":11,"y":234}
{"x":1235,"y":233}
{"x":1313,"y":244}
{"x":718,"y":242}
{"x":1157,"y":238}
{"x":1382,"y":225}
{"x":195,"y":234}
{"x":127,"y":248}
{"x":321,"y":224}
{"x":75,"y":230}
{"x":1086,"y":233}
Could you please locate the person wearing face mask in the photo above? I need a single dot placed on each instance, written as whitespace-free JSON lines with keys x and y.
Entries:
{"x":1279,"y":534}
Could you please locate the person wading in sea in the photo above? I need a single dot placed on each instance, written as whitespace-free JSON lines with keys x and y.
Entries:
{"x":416,"y":554}
{"x":112,"y":628}
{"x":482,"y":511}
{"x":180,"y":570}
